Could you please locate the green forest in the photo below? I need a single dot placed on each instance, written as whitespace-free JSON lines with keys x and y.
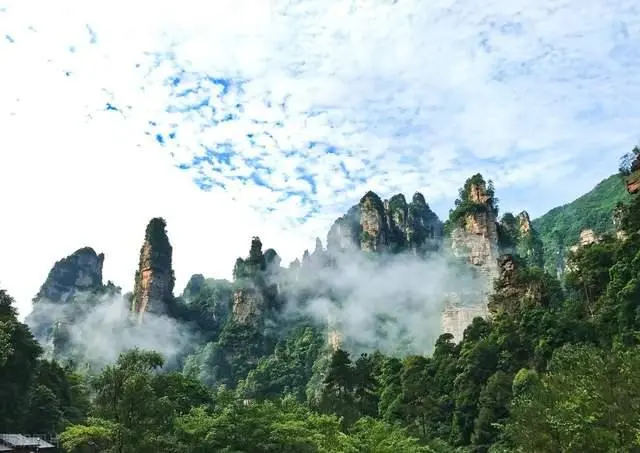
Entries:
{"x":554,"y":369}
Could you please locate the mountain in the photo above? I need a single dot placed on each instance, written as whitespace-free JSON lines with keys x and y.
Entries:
{"x":560,"y":228}
{"x":343,"y":350}
{"x":444,"y":271}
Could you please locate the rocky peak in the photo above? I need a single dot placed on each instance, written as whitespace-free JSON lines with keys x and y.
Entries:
{"x":251,"y":267}
{"x":344,"y":234}
{"x":272,"y":259}
{"x":474,"y":237}
{"x":194,"y":286}
{"x":154,"y":278}
{"x":390,"y":226}
{"x":74,"y":284}
{"x":306,"y":257}
{"x":397,"y":210}
{"x":249,"y":275}
{"x":524,"y":223}
{"x":319,"y":249}
{"x":478,"y":193}
{"x":424,"y":231}
{"x":474,"y":225}
{"x":80,"y":271}
{"x":373,"y":222}
{"x":255,"y":252}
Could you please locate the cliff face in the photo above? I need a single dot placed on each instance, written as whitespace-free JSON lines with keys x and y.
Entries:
{"x":618,"y":215}
{"x":80,"y":271}
{"x":344,"y":234}
{"x":154,"y":278}
{"x":252,"y":288}
{"x":516,"y":289}
{"x":248,"y":306}
{"x":373,"y":223}
{"x":475,"y":237}
{"x":517,"y":235}
{"x":73,"y":286}
{"x":630,"y":170}
{"x":587,"y":237}
{"x":390,"y":226}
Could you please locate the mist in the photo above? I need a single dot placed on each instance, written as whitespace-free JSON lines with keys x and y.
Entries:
{"x":391,"y":303}
{"x":97,"y":329}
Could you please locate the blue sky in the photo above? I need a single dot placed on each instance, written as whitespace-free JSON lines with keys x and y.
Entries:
{"x":272,"y":117}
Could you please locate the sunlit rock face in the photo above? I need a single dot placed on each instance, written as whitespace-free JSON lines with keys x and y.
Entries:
{"x":155,"y":277}
{"x":475,"y":239}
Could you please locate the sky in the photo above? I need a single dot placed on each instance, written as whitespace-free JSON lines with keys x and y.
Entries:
{"x":236,"y":118}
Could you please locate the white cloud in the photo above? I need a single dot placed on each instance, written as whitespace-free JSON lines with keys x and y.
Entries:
{"x":411,"y":95}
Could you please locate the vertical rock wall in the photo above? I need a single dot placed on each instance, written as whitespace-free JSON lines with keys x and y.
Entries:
{"x":154,"y":278}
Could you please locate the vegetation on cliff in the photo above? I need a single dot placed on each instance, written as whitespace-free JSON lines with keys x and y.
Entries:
{"x":476,"y":196}
{"x":521,"y":381}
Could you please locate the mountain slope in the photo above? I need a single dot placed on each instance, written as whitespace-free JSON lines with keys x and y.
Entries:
{"x":560,"y":228}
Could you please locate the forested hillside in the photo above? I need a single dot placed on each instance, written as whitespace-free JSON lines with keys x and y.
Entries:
{"x":560,"y":228}
{"x":268,"y":362}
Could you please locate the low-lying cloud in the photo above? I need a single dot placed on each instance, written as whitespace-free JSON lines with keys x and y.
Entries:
{"x":104,"y":328}
{"x":393,"y":304}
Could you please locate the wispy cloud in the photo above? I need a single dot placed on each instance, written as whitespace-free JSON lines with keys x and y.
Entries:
{"x":295,"y":108}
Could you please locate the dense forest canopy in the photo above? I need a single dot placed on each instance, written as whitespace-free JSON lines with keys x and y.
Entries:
{"x":555,"y":368}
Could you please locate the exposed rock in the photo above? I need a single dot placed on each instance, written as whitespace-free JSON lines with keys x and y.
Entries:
{"x":516,"y":235}
{"x":73,"y":286}
{"x":391,"y":226}
{"x":194,"y":286}
{"x":619,"y":213}
{"x":587,"y":237}
{"x":80,"y":271}
{"x":633,"y":183}
{"x":376,"y":226}
{"x":334,"y":337}
{"x":474,"y":238}
{"x":516,"y":290}
{"x":507,"y":265}
{"x":397,"y":222}
{"x":477,"y":238}
{"x":630,"y":170}
{"x":373,"y":222}
{"x":253,"y":288}
{"x":272,"y":259}
{"x":423,"y":230}
{"x":524,"y":222}
{"x":344,"y":234}
{"x":505,"y":288}
{"x":455,"y":319}
{"x":154,"y":278}
{"x":248,"y":306}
